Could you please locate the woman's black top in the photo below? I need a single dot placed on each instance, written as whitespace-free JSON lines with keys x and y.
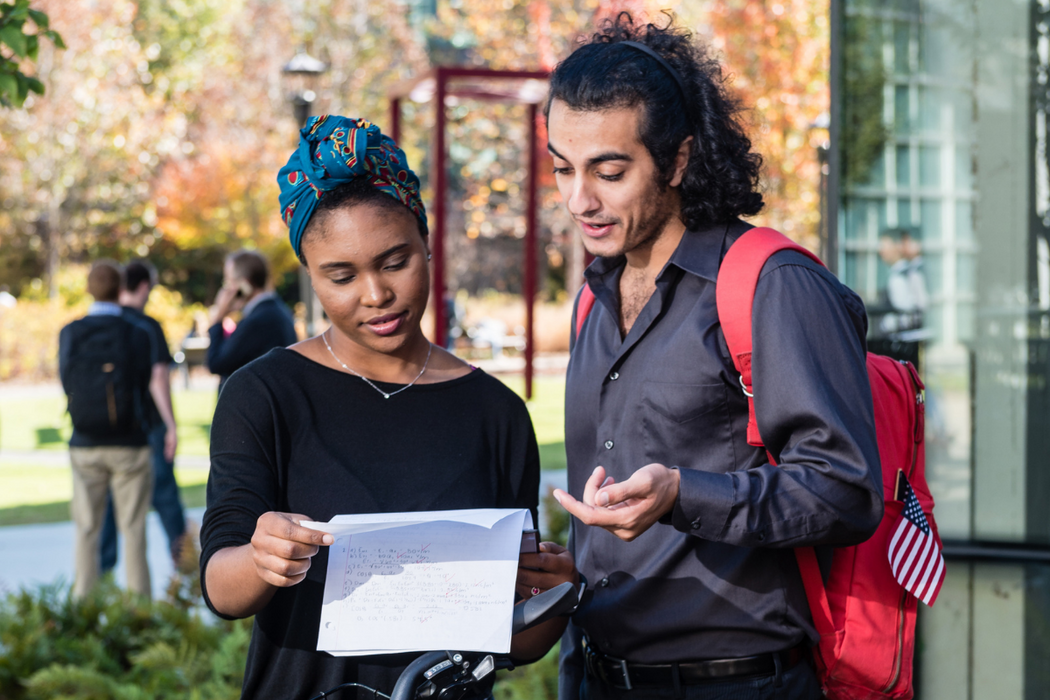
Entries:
{"x":291,"y":435}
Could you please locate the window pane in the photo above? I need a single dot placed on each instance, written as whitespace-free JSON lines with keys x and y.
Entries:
{"x":930,"y":105}
{"x":865,"y":218}
{"x":901,"y":118}
{"x":851,"y":270}
{"x":876,"y":176}
{"x":904,"y":217}
{"x":903,"y":166}
{"x":934,"y":267}
{"x":901,"y":44}
{"x":931,"y":220}
{"x":934,"y":321}
{"x":965,"y":321}
{"x":964,"y":222}
{"x":963,"y":168}
{"x":962,"y":114}
{"x":854,"y":220}
{"x":965,"y":273}
{"x":930,"y":166}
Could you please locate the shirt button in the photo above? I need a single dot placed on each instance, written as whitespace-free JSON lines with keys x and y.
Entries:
{"x":614,"y":376}
{"x":605,"y":582}
{"x":609,"y":444}
{"x":696,"y":524}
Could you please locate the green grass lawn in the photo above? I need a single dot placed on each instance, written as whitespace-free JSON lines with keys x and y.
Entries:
{"x":547,"y":409}
{"x":43,"y":424}
{"x":37,"y":494}
{"x":41,"y":494}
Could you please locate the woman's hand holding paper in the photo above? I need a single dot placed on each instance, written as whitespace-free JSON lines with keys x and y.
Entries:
{"x":282,"y":548}
{"x":551,"y":566}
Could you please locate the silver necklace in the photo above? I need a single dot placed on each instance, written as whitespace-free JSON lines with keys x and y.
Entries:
{"x":430,"y":347}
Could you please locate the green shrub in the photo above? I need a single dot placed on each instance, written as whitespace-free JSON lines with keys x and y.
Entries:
{"x":112,"y":644}
{"x":538,"y":681}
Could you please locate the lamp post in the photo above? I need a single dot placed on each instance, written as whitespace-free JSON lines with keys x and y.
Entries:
{"x":302,"y":74}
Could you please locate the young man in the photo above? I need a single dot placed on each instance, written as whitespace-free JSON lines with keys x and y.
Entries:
{"x":682,"y":529}
{"x":265,"y":324}
{"x":104,"y":363}
{"x":140,"y":277}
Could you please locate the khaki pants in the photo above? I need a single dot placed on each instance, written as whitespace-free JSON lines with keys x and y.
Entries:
{"x":126,"y":472}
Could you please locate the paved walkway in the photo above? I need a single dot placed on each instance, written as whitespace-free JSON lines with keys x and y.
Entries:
{"x":31,"y":555}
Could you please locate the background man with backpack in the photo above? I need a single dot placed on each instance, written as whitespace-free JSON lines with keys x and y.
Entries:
{"x":140,"y":277}
{"x":684,"y":528}
{"x":104,"y":364}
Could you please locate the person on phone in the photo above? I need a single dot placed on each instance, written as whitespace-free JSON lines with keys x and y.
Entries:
{"x":367,"y":417}
{"x":266,"y":323}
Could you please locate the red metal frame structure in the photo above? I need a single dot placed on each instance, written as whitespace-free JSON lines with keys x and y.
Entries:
{"x":440,"y":83}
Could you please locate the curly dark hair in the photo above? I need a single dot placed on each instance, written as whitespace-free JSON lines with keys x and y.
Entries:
{"x":721,"y":179}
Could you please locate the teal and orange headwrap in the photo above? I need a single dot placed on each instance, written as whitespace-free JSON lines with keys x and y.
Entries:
{"x":334,"y":151}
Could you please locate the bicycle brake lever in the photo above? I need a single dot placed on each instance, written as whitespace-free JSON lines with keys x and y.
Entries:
{"x":538,"y":609}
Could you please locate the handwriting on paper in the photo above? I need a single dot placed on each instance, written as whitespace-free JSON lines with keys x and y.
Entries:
{"x":430,"y":581}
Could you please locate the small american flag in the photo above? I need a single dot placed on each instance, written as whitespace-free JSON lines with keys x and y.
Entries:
{"x":915,"y":556}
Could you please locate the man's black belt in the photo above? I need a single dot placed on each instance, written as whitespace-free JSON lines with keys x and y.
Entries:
{"x":627,"y":675}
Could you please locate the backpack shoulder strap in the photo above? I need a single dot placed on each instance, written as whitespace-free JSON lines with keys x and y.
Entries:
{"x":584,"y":304}
{"x":735,"y":295}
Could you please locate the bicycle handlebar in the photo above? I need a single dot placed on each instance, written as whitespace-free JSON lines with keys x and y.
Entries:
{"x":538,"y":609}
{"x":405,"y":689}
{"x":534,"y":611}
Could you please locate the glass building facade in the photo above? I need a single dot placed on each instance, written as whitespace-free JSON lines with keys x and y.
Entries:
{"x":940,"y":219}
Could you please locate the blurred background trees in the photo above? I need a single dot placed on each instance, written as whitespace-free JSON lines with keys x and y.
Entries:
{"x":164,"y":123}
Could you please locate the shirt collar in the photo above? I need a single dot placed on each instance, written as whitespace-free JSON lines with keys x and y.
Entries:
{"x":256,"y":300}
{"x":699,"y":253}
{"x":104,"y":308}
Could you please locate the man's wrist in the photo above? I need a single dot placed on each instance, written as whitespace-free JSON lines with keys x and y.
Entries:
{"x":665,"y":517}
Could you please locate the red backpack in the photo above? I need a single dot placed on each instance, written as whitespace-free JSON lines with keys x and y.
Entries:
{"x":865,"y":613}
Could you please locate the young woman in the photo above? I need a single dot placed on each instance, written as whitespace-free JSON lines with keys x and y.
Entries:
{"x":367,"y":417}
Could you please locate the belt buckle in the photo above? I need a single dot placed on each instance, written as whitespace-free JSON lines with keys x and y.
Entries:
{"x":626,"y":675}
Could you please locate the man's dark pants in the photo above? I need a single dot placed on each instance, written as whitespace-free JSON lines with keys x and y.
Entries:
{"x":796,"y":683}
{"x":166,"y":501}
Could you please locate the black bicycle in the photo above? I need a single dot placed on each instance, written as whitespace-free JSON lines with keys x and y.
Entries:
{"x":454,"y":675}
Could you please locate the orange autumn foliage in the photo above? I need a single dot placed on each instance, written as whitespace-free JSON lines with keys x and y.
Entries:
{"x":778,"y":56}
{"x":221,"y":198}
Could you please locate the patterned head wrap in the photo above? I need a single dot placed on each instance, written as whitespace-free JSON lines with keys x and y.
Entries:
{"x":334,"y":151}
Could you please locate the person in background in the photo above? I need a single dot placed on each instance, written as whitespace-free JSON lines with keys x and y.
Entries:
{"x":104,"y":364}
{"x":266,"y":323}
{"x":140,"y":277}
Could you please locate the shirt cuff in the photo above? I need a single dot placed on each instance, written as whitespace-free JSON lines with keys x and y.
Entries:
{"x":703,"y":504}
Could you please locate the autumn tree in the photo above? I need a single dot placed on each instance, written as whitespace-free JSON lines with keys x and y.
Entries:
{"x":77,"y":162}
{"x":776,"y":53}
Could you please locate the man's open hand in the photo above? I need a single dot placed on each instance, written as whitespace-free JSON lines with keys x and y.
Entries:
{"x":627,"y":509}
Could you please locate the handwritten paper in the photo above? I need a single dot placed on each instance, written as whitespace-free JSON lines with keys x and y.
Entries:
{"x":422,"y":581}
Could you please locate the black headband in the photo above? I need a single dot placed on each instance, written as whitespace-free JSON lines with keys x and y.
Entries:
{"x":659,"y":59}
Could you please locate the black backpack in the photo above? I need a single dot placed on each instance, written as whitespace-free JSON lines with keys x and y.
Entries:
{"x":105,"y":396}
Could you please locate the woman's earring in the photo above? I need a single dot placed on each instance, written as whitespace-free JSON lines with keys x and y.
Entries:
{"x":429,"y":256}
